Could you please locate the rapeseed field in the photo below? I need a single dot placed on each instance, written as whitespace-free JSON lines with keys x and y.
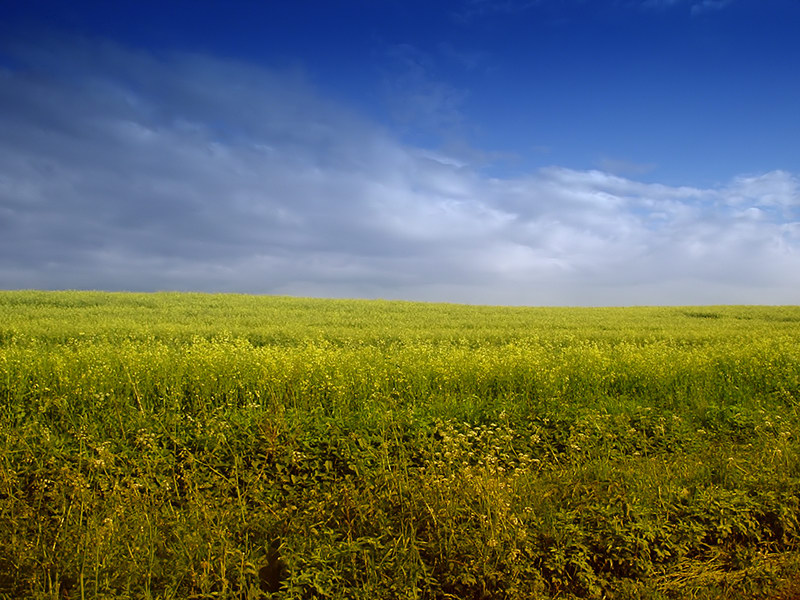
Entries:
{"x":222,"y":446}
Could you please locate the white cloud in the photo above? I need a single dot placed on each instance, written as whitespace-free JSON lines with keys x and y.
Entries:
{"x":120,"y":170}
{"x":775,"y":189}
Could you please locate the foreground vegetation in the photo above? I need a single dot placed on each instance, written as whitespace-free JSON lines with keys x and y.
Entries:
{"x":204,"y":446}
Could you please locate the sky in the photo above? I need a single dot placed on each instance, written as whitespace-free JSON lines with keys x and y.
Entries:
{"x":519,"y":152}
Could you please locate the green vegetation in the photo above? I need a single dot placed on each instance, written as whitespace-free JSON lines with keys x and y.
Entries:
{"x":209,"y":446}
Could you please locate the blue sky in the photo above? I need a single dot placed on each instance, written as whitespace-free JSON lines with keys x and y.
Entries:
{"x":603,"y":152}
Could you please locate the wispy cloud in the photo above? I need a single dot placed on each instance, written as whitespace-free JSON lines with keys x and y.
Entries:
{"x":695,"y":6}
{"x":121,"y":170}
{"x":470,"y":9}
{"x":481,"y":8}
{"x":620,"y":166}
{"x":418,"y":98}
{"x":709,"y":5}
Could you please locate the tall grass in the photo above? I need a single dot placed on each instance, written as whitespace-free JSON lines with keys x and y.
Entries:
{"x":188,"y":445}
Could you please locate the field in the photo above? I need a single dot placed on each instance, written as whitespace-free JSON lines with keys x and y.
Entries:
{"x":221,"y":446}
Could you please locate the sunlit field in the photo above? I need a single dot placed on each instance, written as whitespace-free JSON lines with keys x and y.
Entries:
{"x":221,"y":446}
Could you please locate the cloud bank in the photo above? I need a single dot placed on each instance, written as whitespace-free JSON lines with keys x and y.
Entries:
{"x":125,"y":171}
